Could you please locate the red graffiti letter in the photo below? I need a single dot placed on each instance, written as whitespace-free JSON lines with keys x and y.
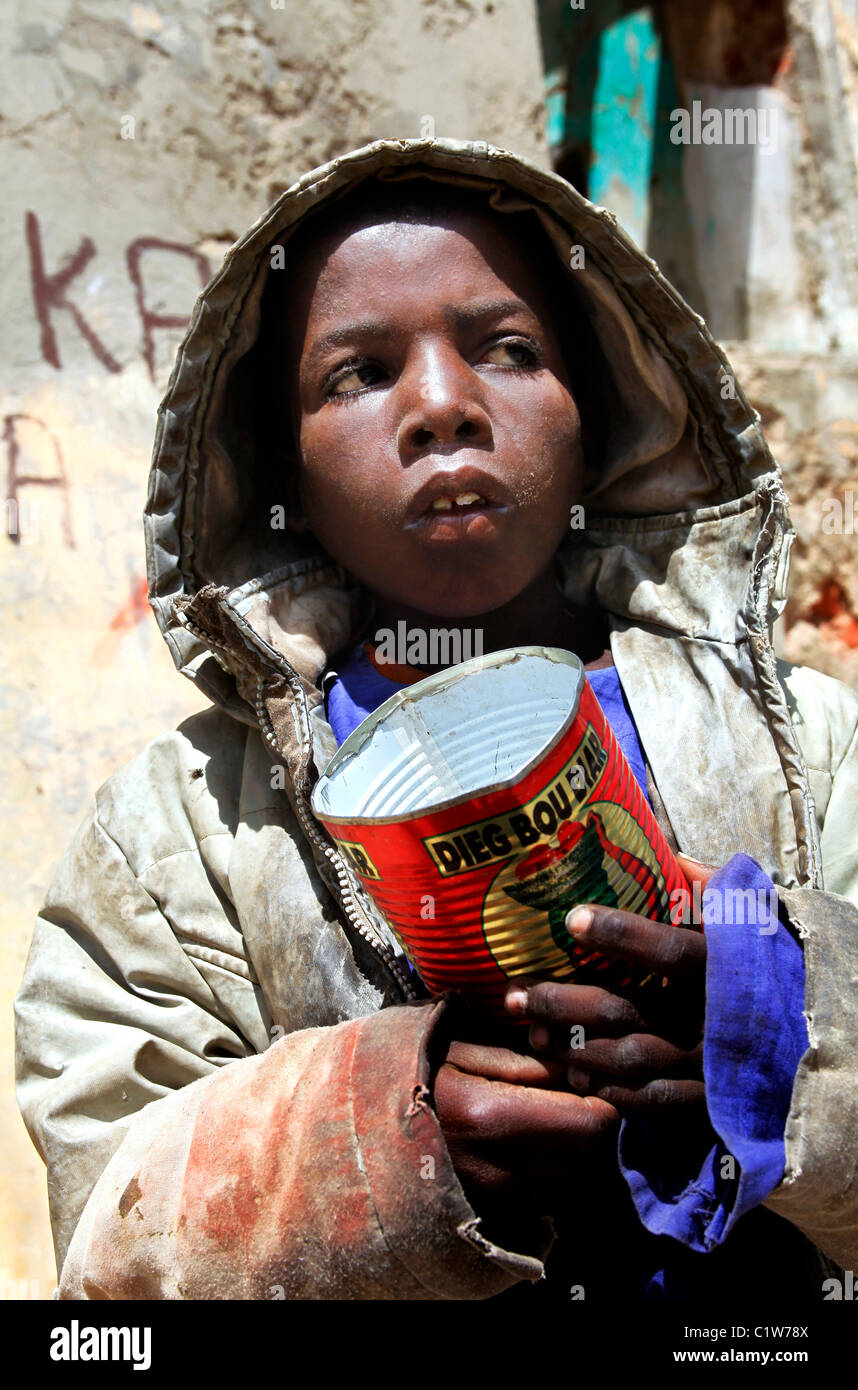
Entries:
{"x":49,"y":292}
{"x":147,"y":318}
{"x":16,"y":480}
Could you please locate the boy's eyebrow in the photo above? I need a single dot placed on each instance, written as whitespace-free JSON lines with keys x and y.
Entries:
{"x":337,"y":337}
{"x":457,"y":316}
{"x":466,"y":315}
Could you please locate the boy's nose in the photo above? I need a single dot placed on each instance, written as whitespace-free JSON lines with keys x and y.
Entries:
{"x":442,"y":408}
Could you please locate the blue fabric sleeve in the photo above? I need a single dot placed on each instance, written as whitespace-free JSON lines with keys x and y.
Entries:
{"x":357,"y":691}
{"x":605,"y":685}
{"x":693,"y":1182}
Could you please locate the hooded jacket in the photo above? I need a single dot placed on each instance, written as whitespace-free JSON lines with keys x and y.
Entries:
{"x":220,"y":1056}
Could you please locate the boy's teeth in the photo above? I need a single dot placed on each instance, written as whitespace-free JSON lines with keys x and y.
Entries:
{"x":464,"y":499}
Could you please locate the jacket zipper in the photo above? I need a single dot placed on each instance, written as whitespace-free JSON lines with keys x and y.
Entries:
{"x":349,"y":904}
{"x":347,"y":896}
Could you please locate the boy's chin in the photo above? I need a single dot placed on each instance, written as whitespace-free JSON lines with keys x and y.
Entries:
{"x":463,"y":597}
{"x":456,"y":601}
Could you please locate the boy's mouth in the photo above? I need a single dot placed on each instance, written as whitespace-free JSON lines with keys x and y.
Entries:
{"x":465,"y":502}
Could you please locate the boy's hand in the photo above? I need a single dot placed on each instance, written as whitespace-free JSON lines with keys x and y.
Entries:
{"x":637,"y":1049}
{"x":512,"y":1126}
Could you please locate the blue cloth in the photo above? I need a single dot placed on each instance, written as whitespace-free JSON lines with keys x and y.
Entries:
{"x":605,"y":685}
{"x":357,"y":691}
{"x":692,"y":1181}
{"x":695,"y":1188}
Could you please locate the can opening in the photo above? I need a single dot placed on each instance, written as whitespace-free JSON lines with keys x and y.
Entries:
{"x":457,"y":733}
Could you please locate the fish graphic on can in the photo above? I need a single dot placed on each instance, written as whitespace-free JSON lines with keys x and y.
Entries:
{"x":478,"y":806}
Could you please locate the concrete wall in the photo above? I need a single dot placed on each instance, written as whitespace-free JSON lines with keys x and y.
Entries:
{"x":774,"y":265}
{"x":753,"y":214}
{"x":797,"y":349}
{"x":139,"y":140}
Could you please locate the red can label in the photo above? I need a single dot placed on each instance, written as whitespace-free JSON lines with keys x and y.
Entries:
{"x":478,"y":892}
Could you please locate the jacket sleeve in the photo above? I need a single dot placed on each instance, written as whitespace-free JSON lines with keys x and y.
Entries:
{"x":184,"y":1163}
{"x":819,"y":1191}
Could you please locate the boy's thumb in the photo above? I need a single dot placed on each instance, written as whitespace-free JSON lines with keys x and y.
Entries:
{"x":694,"y":870}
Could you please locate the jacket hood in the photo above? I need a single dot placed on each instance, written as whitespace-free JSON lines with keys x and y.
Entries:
{"x":685,"y":477}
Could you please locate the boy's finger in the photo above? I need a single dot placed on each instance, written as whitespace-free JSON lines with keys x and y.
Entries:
{"x":662,"y":1092}
{"x":475,"y":1111}
{"x":695,"y":871}
{"x":666,"y":950}
{"x":553,"y":1003}
{"x":530,"y":1116}
{"x":638,"y":1054}
{"x":501,"y":1064}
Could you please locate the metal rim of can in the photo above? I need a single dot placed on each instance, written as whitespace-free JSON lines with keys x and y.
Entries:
{"x":428,"y":686}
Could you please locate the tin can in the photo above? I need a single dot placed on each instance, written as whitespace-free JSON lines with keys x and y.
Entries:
{"x":481,"y":804}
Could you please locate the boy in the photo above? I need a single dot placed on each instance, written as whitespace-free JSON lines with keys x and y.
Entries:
{"x":403,"y":384}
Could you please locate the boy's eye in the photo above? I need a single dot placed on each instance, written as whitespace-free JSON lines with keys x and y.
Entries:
{"x":513,"y":352}
{"x":352,"y":377}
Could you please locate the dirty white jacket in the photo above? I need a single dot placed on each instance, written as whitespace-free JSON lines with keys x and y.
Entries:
{"x":219,"y":1054}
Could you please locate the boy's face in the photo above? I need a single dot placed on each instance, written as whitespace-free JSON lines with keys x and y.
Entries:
{"x":428,"y":370}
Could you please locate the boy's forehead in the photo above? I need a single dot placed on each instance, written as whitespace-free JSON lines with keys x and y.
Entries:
{"x":379,"y":248}
{"x":368,"y":253}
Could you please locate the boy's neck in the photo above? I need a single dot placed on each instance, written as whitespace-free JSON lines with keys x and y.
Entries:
{"x":536,"y":617}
